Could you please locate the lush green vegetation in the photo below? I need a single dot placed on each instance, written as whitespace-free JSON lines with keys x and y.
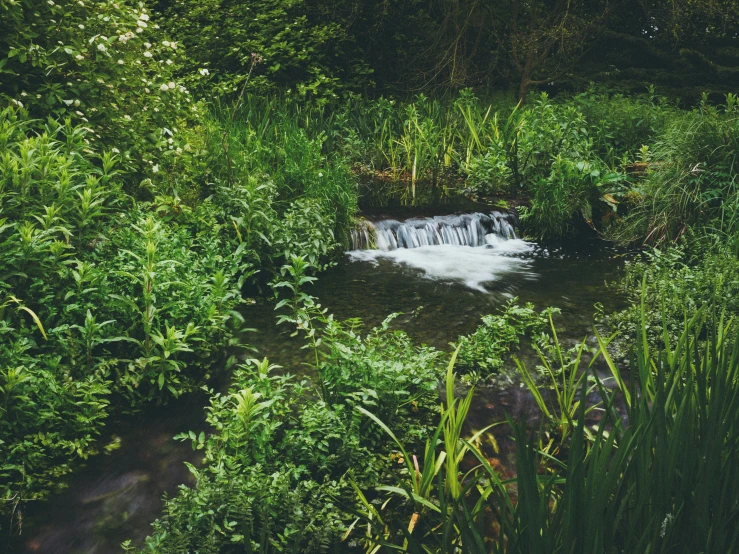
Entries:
{"x":665,"y":482}
{"x":160,"y":163}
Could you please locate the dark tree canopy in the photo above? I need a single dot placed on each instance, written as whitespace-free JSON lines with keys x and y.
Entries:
{"x":321,"y":47}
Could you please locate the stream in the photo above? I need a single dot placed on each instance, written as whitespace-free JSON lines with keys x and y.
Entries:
{"x":442,"y":274}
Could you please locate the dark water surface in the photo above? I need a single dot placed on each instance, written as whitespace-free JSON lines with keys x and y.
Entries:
{"x":442,"y":293}
{"x":436,"y":309}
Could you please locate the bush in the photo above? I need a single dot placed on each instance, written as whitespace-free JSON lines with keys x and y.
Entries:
{"x":94,"y":299}
{"x":279,"y":465}
{"x":103,"y":65}
{"x":483,"y":353}
{"x":673,"y":283}
{"x":310,"y":54}
{"x":689,"y":176}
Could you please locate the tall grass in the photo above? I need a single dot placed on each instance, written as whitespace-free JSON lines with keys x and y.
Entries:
{"x":658,"y":475}
{"x":282,"y":148}
{"x":593,"y":156}
{"x":690,"y":176}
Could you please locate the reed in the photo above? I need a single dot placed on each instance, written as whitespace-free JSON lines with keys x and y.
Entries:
{"x":657,"y":474}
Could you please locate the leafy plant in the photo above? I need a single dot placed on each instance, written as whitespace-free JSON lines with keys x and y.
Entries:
{"x":484,"y":352}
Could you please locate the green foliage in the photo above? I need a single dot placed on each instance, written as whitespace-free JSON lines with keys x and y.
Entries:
{"x":620,"y":125}
{"x":563,"y":380}
{"x":277,"y":468}
{"x":53,"y":204}
{"x":484,"y":353}
{"x":49,"y":418}
{"x":689,"y":176}
{"x":307,"y":197}
{"x":95,"y":300}
{"x":312,"y":54}
{"x":673,"y":282}
{"x":662,"y":482}
{"x":436,"y":517}
{"x":104,"y":65}
{"x":133,"y":299}
{"x":246,"y":494}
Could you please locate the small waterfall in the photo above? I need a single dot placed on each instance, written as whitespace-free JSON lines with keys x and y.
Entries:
{"x":475,"y":229}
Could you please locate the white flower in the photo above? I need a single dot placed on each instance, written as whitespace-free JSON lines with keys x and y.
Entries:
{"x":51,"y":2}
{"x":139,"y":30}
{"x":81,"y":26}
{"x":18,"y":103}
{"x":171,"y":85}
{"x":144,"y":17}
{"x":120,"y":62}
{"x":155,"y":169}
{"x":142,"y":24}
{"x":147,"y":54}
{"x":79,"y":113}
{"x":123,"y":39}
{"x":204,"y":72}
{"x":24,"y":93}
{"x":147,"y":45}
{"x":165,"y":43}
{"x":179,"y":150}
{"x":101,"y":47}
{"x":76,"y":103}
{"x":668,"y":519}
{"x":115,"y":150}
{"x":127,"y":117}
{"x":164,"y":87}
{"x":169,"y":62}
{"x":79,"y":57}
{"x":170,"y":140}
{"x":173,"y":45}
{"x":146,"y":90}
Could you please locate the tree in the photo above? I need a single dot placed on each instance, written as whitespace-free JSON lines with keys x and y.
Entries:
{"x":543,"y":39}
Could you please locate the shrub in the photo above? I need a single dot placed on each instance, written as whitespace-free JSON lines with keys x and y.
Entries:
{"x":673,"y":283}
{"x":310,"y":54}
{"x":278,"y":466}
{"x":94,"y":300}
{"x":689,"y":176}
{"x":103,"y":65}
{"x":484,"y":352}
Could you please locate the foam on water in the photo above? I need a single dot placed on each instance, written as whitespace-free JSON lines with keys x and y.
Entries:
{"x":474,"y":266}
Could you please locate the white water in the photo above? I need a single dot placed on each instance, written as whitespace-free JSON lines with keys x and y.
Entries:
{"x":474,"y":266}
{"x":459,"y":230}
{"x":475,"y":249}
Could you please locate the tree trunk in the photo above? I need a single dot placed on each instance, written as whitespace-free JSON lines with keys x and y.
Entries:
{"x":523,"y":89}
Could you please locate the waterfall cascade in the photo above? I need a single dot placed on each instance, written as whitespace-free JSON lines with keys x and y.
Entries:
{"x":475,"y":229}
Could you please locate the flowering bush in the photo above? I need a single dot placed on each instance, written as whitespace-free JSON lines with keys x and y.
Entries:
{"x":313,"y":56}
{"x":104,"y":65}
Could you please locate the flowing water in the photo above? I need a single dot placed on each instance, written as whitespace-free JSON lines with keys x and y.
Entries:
{"x":442,"y":273}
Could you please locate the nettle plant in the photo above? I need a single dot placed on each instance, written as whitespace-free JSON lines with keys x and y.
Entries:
{"x":103,"y":65}
{"x":99,"y":294}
